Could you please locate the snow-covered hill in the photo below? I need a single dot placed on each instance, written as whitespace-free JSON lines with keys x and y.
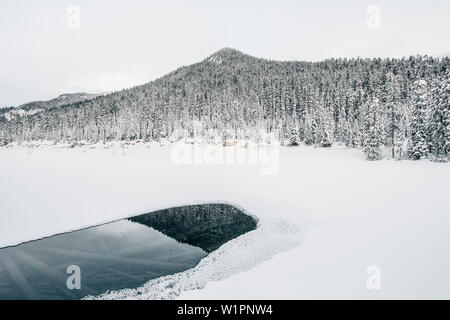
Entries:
{"x":231,"y":96}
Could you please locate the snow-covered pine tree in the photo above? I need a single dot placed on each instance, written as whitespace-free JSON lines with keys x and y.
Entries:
{"x":372,"y":144}
{"x":310,"y":128}
{"x":294,"y":137}
{"x":372,"y":132}
{"x":325,"y":130}
{"x":418,"y":144}
{"x":394,"y":113}
{"x":445,"y":101}
{"x":439,"y":121}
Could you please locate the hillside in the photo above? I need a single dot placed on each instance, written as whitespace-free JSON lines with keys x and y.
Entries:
{"x":34,"y":107}
{"x":67,"y":98}
{"x":232,"y":96}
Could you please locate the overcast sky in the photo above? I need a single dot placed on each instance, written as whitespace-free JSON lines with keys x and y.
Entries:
{"x":120,"y":44}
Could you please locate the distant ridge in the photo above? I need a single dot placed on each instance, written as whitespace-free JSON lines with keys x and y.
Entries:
{"x":34,"y":107}
{"x":62,"y":99}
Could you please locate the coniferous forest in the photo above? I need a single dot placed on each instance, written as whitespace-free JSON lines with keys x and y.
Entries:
{"x":400,"y":104}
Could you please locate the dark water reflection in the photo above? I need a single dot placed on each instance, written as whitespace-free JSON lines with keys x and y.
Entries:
{"x":114,"y":256}
{"x":119,"y":255}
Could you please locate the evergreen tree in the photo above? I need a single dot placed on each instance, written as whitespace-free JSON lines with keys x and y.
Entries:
{"x":294,"y":137}
{"x":325,"y":130}
{"x":310,"y":129}
{"x":372,"y":132}
{"x":418,"y":144}
{"x":372,"y":144}
{"x":394,"y":113}
{"x":439,"y":125}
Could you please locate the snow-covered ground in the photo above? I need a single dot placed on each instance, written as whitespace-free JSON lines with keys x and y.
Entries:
{"x":326,"y":215}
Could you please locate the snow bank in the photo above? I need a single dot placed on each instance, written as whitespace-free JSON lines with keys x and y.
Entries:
{"x":238,"y":255}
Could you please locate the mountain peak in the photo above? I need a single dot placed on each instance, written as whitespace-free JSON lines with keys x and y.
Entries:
{"x":227,"y":51}
{"x":225,"y":54}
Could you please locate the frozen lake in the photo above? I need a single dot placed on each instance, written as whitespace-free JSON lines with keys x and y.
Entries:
{"x":324,"y":217}
{"x":118,"y":255}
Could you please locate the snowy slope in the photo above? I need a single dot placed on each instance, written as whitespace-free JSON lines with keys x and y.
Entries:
{"x":63,"y":99}
{"x":325,"y":216}
{"x":20,"y":113}
{"x":34,"y":107}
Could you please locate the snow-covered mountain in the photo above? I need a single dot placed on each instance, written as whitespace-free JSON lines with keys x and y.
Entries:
{"x":34,"y":107}
{"x":232,"y":96}
{"x":67,"y":98}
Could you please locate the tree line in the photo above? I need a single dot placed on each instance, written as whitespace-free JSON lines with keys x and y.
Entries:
{"x":402,"y":104}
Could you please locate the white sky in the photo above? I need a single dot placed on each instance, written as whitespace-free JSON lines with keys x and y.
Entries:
{"x":126,"y":43}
